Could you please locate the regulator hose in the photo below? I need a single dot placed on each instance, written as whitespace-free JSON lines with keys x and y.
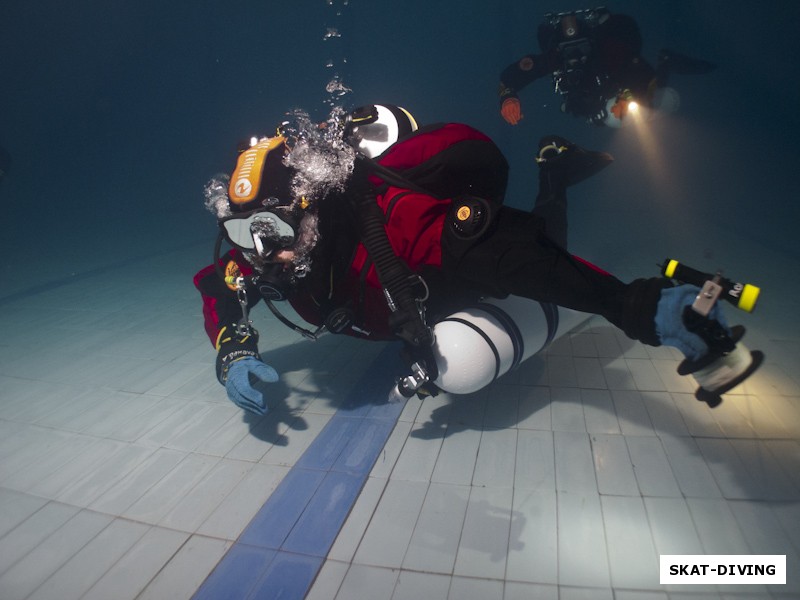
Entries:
{"x":406,"y":320}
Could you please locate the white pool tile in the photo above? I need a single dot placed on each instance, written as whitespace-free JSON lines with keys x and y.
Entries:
{"x":718,"y":530}
{"x":434,"y":543}
{"x":33,"y":473}
{"x":645,"y":376}
{"x":582,"y":553}
{"x":533,"y":539}
{"x":786,"y":455}
{"x":651,"y":467}
{"x":672,"y":526}
{"x":202,"y":428}
{"x":617,"y":373}
{"x":583,"y":345}
{"x":598,"y":411}
{"x":417,"y":459}
{"x":230,"y":516}
{"x":567,"y":409}
{"x":561,"y":371}
{"x":535,"y":461}
{"x":352,"y":532}
{"x":589,"y":372}
{"x":525,"y":591}
{"x":32,"y":531}
{"x":761,"y":528}
{"x":467,"y":588}
{"x":631,"y":412}
{"x":25,"y":447}
{"x":699,"y":418}
{"x":328,"y":581}
{"x":301,"y":433}
{"x":414,"y":585}
{"x":85,"y":490}
{"x":483,"y":547}
{"x":139,"y":565}
{"x":458,"y":455}
{"x":17,"y":507}
{"x":364,"y":581}
{"x":263,"y":434}
{"x":689,"y":467}
{"x":613,"y":467}
{"x":667,"y":370}
{"x":729,"y":473}
{"x":574,"y":463}
{"x":171,"y":489}
{"x":136,"y":483}
{"x":664,"y":414}
{"x":632,"y":556}
{"x":186,"y":569}
{"x":394,"y":446}
{"x":394,"y":519}
{"x":90,"y":563}
{"x":758,"y":415}
{"x":496,"y":459}
{"x":534,"y":408}
{"x":90,"y":457}
{"x":589,"y":458}
{"x":195,"y":506}
{"x":52,"y":553}
{"x":230,"y":433}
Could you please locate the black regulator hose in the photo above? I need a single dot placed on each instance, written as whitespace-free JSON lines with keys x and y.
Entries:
{"x":393,"y":274}
{"x":217,"y":250}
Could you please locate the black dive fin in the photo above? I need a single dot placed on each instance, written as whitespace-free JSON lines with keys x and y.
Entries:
{"x":569,"y":162}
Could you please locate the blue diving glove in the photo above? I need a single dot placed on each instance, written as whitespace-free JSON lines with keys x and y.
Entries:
{"x":241,"y":370}
{"x":669,"y":323}
{"x":242,"y":383}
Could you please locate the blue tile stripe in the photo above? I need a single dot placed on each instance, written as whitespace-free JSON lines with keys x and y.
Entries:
{"x":282,"y":549}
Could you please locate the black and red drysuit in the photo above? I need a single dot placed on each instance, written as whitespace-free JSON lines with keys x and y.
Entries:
{"x":515,"y":252}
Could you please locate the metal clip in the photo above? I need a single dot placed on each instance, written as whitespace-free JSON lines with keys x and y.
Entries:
{"x":408,"y":385}
{"x":244,"y":326}
{"x":707,"y":297}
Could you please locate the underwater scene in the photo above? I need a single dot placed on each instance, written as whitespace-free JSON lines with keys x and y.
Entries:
{"x":344,"y":300}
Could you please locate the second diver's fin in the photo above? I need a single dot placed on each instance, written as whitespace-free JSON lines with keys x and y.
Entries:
{"x":569,"y":162}
{"x":683,"y":64}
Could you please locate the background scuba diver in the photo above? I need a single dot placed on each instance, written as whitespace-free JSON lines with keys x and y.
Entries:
{"x":353,"y":255}
{"x":594,"y":58}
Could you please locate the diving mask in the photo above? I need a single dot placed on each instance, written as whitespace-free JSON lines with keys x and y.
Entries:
{"x":262,"y":231}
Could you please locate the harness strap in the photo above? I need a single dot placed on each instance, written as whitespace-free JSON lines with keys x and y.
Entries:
{"x":407,"y":318}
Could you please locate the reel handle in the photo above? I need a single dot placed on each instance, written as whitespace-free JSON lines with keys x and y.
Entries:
{"x":742,"y":295}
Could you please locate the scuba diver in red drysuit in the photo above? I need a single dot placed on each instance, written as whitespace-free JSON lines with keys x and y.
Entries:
{"x":413,"y":235}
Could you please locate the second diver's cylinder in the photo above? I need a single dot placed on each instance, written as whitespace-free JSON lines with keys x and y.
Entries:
{"x":478,"y":344}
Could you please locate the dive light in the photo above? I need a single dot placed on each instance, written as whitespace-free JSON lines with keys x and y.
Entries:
{"x":742,"y":295}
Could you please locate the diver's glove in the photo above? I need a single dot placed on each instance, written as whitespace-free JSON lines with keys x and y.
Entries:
{"x":511,"y":110}
{"x":244,"y":375}
{"x":239,"y":367}
{"x":670,"y":324}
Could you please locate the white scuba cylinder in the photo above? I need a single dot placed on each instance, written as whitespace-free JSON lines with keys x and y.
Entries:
{"x":389,"y":125}
{"x":477,"y":345}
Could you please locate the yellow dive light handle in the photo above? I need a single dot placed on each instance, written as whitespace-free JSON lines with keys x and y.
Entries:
{"x":742,"y":295}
